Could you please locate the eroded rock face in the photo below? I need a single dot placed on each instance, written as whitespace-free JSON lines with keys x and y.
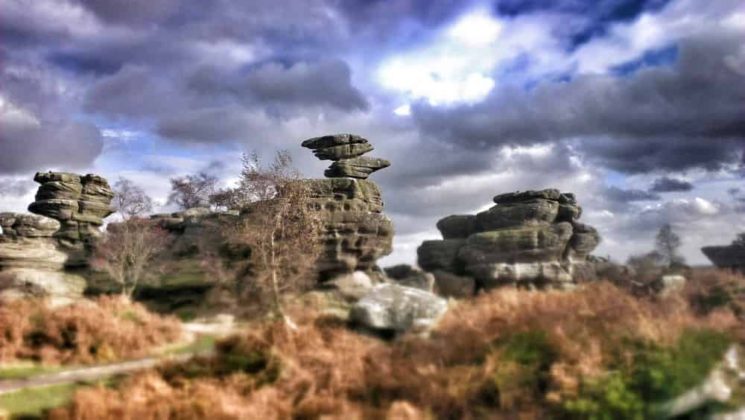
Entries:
{"x":37,"y":250}
{"x":79,"y":203}
{"x":356,"y":232}
{"x":529,"y":238}
{"x":31,"y":261}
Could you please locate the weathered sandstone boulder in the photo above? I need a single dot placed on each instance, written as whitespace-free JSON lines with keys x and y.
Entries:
{"x":37,"y":251}
{"x":391,"y":308}
{"x":528,"y":238}
{"x":409,"y":276}
{"x":356,"y":232}
{"x":31,"y":261}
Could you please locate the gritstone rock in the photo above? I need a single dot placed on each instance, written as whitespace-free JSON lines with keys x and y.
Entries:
{"x":529,"y":238}
{"x":356,"y":232}
{"x":393,"y":308}
{"x":38,"y":250}
{"x":730,"y":257}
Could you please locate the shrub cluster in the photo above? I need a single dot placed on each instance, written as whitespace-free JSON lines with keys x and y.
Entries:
{"x":597,"y":352}
{"x":105,"y":329}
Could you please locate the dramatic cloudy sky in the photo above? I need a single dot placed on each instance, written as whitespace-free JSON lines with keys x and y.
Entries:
{"x":636,"y":106}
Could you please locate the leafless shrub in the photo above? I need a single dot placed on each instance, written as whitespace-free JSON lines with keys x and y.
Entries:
{"x":130,"y":200}
{"x":192,"y":190}
{"x":128,"y":251}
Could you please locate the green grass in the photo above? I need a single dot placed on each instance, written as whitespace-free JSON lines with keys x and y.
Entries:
{"x":31,"y":403}
{"x":202,"y":344}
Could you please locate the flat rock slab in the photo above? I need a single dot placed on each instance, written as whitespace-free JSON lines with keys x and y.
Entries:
{"x":394,"y":308}
{"x":360,"y":167}
{"x":547,"y":194}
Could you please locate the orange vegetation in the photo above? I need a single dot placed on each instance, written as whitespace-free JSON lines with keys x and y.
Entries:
{"x":505,"y":354}
{"x":104,"y":329}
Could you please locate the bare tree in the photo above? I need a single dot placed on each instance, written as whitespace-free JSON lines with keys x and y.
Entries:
{"x":280,"y":227}
{"x":739,"y":239}
{"x":667,"y":244}
{"x":128,"y":251}
{"x":192,"y":190}
{"x":131,"y":200}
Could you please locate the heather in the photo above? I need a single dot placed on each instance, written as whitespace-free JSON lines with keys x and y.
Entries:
{"x":596,"y":352}
{"x":87,"y":331}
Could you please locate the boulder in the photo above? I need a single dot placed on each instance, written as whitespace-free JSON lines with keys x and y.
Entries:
{"x":452,"y":285}
{"x":391,"y":308}
{"x":409,"y":276}
{"x":458,"y":226}
{"x":440,"y":255}
{"x":584,"y":240}
{"x":529,"y":238}
{"x":353,"y":286}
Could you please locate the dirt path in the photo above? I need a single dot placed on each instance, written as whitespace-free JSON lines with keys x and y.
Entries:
{"x":97,"y":372}
{"x":91,"y":373}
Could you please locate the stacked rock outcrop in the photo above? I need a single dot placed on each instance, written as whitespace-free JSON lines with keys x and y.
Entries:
{"x":528,"y":238}
{"x":356,"y":232}
{"x":37,"y":249}
{"x":730,"y":257}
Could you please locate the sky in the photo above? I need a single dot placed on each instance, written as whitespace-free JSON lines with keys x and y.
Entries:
{"x":638,"y":107}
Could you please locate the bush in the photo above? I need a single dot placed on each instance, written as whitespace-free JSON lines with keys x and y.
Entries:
{"x":105,"y":329}
{"x":596,"y":352}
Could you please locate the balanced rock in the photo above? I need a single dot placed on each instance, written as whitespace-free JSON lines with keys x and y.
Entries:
{"x":337,"y":147}
{"x":730,"y":257}
{"x":78,"y":202}
{"x":356,"y":233}
{"x":528,"y":238}
{"x":359,"y":167}
{"x":346,"y":151}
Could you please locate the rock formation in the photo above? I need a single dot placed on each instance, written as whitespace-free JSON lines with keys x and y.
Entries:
{"x":36,"y":250}
{"x":79,"y":203}
{"x":528,"y":238}
{"x":356,"y":231}
{"x":730,"y":257}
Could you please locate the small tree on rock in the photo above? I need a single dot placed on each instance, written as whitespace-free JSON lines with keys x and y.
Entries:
{"x":128,"y":251}
{"x":192,"y":190}
{"x":667,"y":244}
{"x":130,"y":200}
{"x":281,"y":228}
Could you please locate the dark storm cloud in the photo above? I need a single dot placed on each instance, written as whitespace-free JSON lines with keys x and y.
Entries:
{"x":131,"y":11}
{"x":686,"y":116}
{"x":667,"y":184}
{"x":28,"y":148}
{"x":620,"y":195}
{"x":37,"y":131}
{"x":327,"y":82}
